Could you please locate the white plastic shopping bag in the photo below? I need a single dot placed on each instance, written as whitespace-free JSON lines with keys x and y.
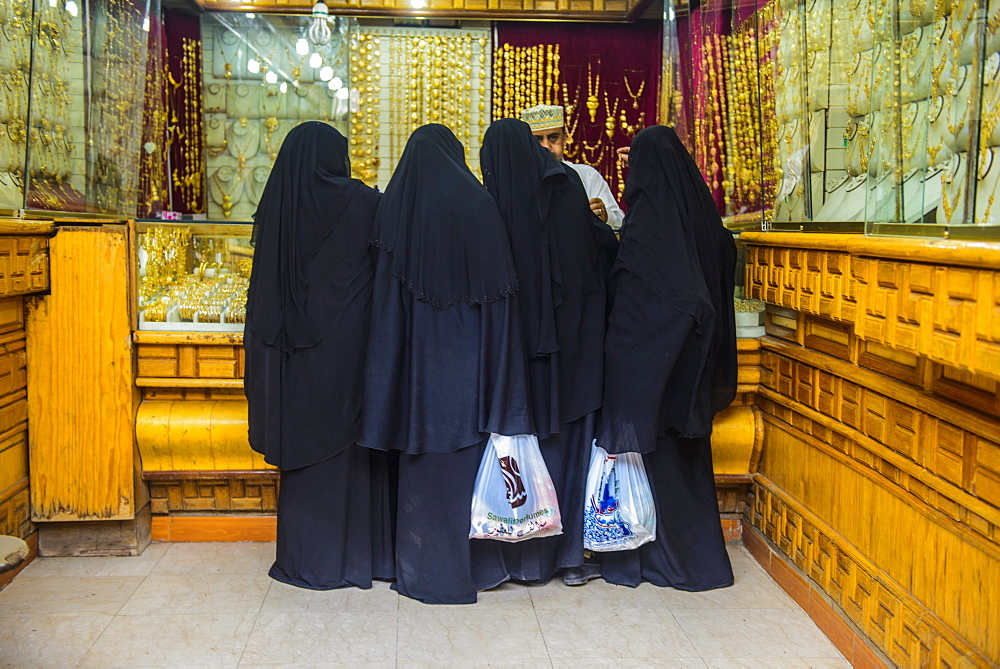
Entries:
{"x":514,"y":498}
{"x":618,"y":513}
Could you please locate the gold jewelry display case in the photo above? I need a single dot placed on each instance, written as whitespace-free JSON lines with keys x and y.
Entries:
{"x":192,"y":277}
{"x":864,"y":115}
{"x":72,"y":76}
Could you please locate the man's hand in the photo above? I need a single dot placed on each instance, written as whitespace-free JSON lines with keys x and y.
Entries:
{"x":597,"y":206}
{"x":623,"y":154}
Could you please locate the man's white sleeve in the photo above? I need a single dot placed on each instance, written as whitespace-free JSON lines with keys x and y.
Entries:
{"x":596,"y":186}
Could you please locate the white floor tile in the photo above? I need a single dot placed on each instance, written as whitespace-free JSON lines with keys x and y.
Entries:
{"x":609,"y":633}
{"x":49,"y":641}
{"x":754,"y":633}
{"x":303,"y":638}
{"x":210,"y":640}
{"x":469,"y":634}
{"x":49,"y":595}
{"x":214,"y":605}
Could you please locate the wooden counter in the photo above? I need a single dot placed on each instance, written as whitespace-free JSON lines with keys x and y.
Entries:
{"x":879,"y":483}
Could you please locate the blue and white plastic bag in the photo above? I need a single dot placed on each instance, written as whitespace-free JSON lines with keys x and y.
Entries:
{"x":619,"y":513}
{"x":514,"y":498}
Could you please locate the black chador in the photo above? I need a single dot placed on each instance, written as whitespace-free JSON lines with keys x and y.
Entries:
{"x":446,"y":362}
{"x":562,"y":305}
{"x":306,"y":334}
{"x":670,"y":361}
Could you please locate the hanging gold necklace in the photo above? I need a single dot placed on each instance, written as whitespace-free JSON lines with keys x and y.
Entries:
{"x":593,"y":88}
{"x":609,"y":122}
{"x":638,"y":93}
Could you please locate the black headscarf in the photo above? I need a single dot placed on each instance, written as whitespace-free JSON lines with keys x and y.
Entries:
{"x":561,"y":297}
{"x":434,"y":220}
{"x":292,"y":220}
{"x":446,"y":361}
{"x":673,"y":304}
{"x":521,"y":175}
{"x":309,"y":302}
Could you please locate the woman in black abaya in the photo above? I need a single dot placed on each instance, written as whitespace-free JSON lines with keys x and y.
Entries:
{"x":670,"y":356}
{"x":562,"y":305}
{"x":445,"y":362}
{"x":306,"y":332}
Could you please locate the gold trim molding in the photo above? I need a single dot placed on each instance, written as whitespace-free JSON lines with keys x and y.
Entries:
{"x":574,"y":10}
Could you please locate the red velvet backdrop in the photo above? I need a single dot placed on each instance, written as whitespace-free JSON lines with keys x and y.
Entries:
{"x":185,"y":122}
{"x":616,"y":53}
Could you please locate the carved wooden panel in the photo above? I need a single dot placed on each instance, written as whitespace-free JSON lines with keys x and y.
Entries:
{"x":905,"y":629}
{"x":256,"y":492}
{"x":24,"y":265}
{"x":15,"y":513}
{"x":193,"y":394}
{"x":880,"y":432}
{"x":732,"y":497}
{"x":191,"y":361}
{"x":949,"y":314}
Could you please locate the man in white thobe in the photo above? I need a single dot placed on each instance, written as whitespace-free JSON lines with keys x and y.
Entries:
{"x":549,"y":127}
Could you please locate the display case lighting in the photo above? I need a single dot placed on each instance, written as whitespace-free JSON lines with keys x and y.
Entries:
{"x":319,"y":31}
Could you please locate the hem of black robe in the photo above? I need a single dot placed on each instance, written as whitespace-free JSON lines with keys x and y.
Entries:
{"x":480,"y":438}
{"x":278,"y":574}
{"x":582,"y":415}
{"x":334,"y":453}
{"x":662,"y":583}
{"x":429,"y":602}
{"x":658,"y":582}
{"x":483,"y":588}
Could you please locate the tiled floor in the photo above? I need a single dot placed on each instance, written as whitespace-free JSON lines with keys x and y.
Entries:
{"x":213,"y":605}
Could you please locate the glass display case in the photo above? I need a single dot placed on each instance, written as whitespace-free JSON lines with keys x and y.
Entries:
{"x":192,"y":277}
{"x":863,"y":115}
{"x":71,"y":103}
{"x":263,"y":75}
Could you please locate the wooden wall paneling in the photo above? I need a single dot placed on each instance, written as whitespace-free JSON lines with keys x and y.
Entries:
{"x":923,"y":471}
{"x":901,"y":624}
{"x":81,"y":380}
